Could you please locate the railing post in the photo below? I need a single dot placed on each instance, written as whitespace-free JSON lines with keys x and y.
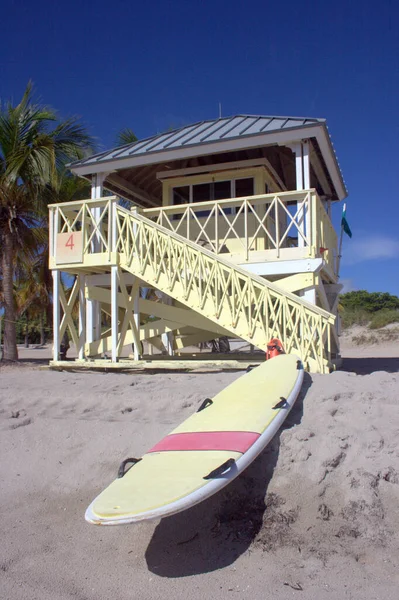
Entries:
{"x":56,"y":231}
{"x":217,"y":249}
{"x":51,"y":232}
{"x":308,"y":223}
{"x":277,"y":226}
{"x":246,"y":228}
{"x":315,"y":241}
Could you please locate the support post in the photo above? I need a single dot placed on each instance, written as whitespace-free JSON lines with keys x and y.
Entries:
{"x":93,"y":313}
{"x":114,"y":313}
{"x":82,"y":316}
{"x":310,"y":295}
{"x":168,"y":338}
{"x":298,"y":151}
{"x":136,"y":318}
{"x":56,"y":314}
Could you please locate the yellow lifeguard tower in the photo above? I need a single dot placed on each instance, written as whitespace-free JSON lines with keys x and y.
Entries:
{"x":228,"y":220}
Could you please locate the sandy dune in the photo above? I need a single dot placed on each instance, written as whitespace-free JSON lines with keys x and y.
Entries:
{"x":315,"y":517}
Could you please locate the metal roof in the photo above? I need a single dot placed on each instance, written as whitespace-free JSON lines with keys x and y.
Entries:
{"x":204,"y":132}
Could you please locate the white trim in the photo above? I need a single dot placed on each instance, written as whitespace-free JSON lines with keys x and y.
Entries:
{"x":283,"y":137}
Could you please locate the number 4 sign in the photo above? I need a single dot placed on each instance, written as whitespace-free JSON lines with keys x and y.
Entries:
{"x":70,"y":243}
{"x":69,"y":248}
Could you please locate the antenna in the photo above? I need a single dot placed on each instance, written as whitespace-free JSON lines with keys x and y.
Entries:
{"x":220,"y":110}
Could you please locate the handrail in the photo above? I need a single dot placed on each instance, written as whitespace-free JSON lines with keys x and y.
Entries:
{"x":92,"y":202}
{"x":258,"y":199}
{"x":187,"y":243}
{"x":249,"y":306}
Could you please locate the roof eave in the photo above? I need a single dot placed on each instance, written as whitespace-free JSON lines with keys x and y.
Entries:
{"x":280,"y":137}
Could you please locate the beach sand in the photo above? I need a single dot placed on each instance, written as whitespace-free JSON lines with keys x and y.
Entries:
{"x":315,"y":516}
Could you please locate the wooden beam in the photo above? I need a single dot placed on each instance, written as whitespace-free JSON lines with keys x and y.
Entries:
{"x":228,"y":166}
{"x":297,"y":282}
{"x":130,"y":188}
{"x":319,"y":170}
{"x":148,"y":332}
{"x":193,"y":340}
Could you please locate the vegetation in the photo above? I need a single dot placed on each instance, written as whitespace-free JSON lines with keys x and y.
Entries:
{"x":35,"y":145}
{"x":376,"y":309}
{"x":126,"y":136}
{"x":369,"y":302}
{"x":383,"y":318}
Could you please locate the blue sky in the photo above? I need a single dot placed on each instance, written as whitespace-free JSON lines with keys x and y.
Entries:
{"x":152,"y":65}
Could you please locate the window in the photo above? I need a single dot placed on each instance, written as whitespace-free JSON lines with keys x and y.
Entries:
{"x":214,"y":190}
{"x":181,"y":195}
{"x":244,"y":187}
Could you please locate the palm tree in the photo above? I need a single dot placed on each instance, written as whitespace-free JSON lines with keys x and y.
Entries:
{"x":34,"y":146}
{"x":126,"y":136}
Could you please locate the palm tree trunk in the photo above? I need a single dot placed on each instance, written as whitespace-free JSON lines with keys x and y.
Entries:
{"x":10,"y":337}
{"x":42,"y":329}
{"x":27,"y":332}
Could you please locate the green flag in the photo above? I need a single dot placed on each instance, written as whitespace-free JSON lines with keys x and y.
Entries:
{"x":345,"y":224}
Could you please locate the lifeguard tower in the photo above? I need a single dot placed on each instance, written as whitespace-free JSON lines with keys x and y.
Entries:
{"x":228,"y":221}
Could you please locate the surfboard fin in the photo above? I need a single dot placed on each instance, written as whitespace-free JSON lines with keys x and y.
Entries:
{"x":121,"y":470}
{"x":207,"y":402}
{"x":282,"y":404}
{"x":226,"y":466}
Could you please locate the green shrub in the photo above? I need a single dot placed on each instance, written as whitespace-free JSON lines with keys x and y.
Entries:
{"x":353,"y":316}
{"x":369,"y":301}
{"x":383,"y":317}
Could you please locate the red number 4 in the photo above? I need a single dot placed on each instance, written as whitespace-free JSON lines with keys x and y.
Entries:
{"x":70,"y":243}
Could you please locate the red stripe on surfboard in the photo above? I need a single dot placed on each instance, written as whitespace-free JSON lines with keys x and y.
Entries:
{"x":232,"y":441}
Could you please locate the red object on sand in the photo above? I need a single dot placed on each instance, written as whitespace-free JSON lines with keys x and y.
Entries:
{"x":274,"y":348}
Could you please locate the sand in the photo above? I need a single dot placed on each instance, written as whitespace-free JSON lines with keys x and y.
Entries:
{"x":315,"y":516}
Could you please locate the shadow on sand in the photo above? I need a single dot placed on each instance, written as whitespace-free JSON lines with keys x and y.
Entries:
{"x":365,"y":366}
{"x":213,"y":534}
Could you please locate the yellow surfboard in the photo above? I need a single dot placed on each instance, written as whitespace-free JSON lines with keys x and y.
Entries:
{"x":207,"y":451}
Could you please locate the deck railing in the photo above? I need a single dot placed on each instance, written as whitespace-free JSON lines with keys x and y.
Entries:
{"x":269,"y":227}
{"x":281,"y":226}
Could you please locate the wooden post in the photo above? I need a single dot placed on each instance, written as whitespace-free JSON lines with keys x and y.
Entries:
{"x":93,"y":313}
{"x":306,"y":186}
{"x":310,"y":295}
{"x":114,"y":313}
{"x":82,"y":316}
{"x":56,"y":314}
{"x":167,"y":338}
{"x":297,"y":149}
{"x":136,"y":318}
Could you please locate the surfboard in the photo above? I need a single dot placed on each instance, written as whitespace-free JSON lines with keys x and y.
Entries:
{"x":206,"y":451}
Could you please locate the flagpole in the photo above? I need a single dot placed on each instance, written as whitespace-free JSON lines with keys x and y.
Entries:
{"x":340,"y":244}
